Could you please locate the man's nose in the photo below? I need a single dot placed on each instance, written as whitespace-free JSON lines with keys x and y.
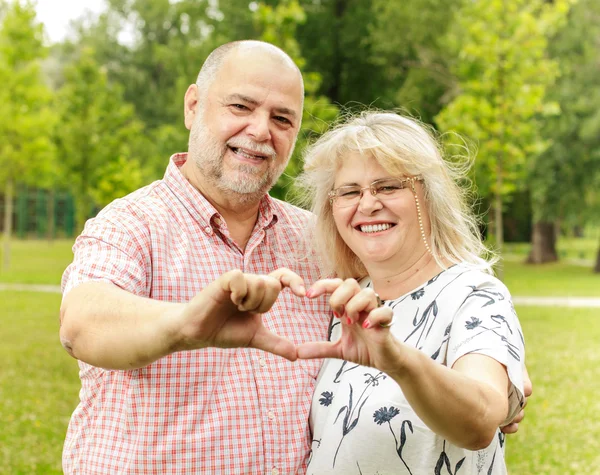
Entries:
{"x":258,"y":128}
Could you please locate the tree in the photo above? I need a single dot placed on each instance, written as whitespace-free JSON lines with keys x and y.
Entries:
{"x":26,"y":115}
{"x":564,"y":179}
{"x":501,"y":64}
{"x":99,"y":137}
{"x":278,"y":25}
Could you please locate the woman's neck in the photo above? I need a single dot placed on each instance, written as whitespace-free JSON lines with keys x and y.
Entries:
{"x":403,"y":279}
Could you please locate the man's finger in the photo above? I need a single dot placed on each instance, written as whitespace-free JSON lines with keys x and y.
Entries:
{"x":511,"y":428}
{"x":257,"y":287}
{"x":318,"y":349}
{"x":323,"y":286}
{"x":268,"y":341}
{"x":234,"y":282}
{"x":291,"y":280}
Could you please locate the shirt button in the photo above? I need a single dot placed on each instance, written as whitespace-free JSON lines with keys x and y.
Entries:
{"x":274,"y":471}
{"x":262,"y":362}
{"x":208,"y":230}
{"x":271,"y":415}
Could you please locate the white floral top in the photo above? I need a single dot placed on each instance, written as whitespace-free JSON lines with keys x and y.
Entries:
{"x":360,"y":420}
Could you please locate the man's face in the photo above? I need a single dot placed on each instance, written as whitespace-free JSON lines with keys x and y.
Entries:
{"x":246,"y":124}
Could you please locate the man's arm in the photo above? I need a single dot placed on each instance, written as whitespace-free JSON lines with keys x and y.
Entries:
{"x":108,"y":327}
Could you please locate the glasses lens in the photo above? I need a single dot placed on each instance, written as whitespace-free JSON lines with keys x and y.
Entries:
{"x":347,"y":195}
{"x":388,"y":187}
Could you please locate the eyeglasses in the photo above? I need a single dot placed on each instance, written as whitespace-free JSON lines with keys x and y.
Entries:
{"x":384,"y":189}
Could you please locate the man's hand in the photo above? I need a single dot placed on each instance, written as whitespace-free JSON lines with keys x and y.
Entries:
{"x":227,"y":313}
{"x":513,"y":427}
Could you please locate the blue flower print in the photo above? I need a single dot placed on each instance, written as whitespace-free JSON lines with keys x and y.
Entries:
{"x":384,"y":414}
{"x":417,"y":294}
{"x":474,"y":323}
{"x":327,"y":398}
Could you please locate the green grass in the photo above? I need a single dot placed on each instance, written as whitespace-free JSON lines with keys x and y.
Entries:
{"x":38,"y":262}
{"x":38,"y":384}
{"x":584,"y":248}
{"x":561,"y":429}
{"x":551,"y":280}
{"x":39,"y":388}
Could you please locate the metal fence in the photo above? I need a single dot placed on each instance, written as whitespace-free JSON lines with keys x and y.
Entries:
{"x":41,"y":213}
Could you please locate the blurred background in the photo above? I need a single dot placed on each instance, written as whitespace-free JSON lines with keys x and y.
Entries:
{"x":91,"y":103}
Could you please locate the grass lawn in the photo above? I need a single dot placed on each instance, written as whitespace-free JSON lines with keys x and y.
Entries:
{"x":556,"y":279}
{"x":38,"y":262}
{"x":39,"y":388}
{"x":38,"y":384}
{"x":561,"y":429}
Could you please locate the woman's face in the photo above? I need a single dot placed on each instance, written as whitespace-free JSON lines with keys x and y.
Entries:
{"x":379,"y":230}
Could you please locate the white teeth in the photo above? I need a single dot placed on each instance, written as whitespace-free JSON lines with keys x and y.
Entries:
{"x":374,"y":228}
{"x":239,"y":151}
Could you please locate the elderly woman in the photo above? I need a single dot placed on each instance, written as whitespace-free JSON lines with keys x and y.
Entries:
{"x":425,"y":359}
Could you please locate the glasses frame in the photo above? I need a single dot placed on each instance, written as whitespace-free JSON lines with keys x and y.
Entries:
{"x":333,"y":194}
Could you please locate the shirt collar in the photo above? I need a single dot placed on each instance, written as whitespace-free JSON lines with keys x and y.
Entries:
{"x":199,"y":207}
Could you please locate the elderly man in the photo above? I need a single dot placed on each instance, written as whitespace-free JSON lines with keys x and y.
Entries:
{"x":169,"y":338}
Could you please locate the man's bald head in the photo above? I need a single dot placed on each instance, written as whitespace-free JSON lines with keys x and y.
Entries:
{"x":214,"y":61}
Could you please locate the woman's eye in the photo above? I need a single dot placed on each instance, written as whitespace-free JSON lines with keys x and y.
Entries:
{"x":388,"y":188}
{"x":348,"y":193}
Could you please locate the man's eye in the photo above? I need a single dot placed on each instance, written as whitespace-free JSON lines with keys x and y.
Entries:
{"x":240,"y":107}
{"x":283,"y":120}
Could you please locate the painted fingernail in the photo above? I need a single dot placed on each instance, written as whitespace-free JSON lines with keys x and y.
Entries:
{"x":309,"y":293}
{"x":366,"y":324}
{"x":348,"y":321}
{"x":336,"y":315}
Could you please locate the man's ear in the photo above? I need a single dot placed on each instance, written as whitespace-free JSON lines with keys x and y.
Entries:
{"x":190,"y":105}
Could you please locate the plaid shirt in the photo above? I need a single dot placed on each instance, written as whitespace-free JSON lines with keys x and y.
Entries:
{"x":217,"y":411}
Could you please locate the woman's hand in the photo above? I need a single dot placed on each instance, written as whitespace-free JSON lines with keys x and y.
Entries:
{"x":366,"y":338}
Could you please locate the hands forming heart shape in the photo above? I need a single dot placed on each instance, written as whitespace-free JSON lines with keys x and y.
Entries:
{"x":227,"y":314}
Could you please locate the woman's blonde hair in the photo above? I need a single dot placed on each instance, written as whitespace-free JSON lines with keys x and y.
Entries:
{"x":402,"y":146}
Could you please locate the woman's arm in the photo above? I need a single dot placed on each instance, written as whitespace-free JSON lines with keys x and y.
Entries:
{"x":464,"y":404}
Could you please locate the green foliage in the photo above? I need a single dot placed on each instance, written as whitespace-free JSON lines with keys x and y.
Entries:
{"x":503,"y":72}
{"x":99,"y":137}
{"x":408,"y":45}
{"x":565,"y":178}
{"x":278,"y":25}
{"x":26,"y":115}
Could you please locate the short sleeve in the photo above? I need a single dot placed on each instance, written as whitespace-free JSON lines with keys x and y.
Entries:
{"x":113,"y":247}
{"x":486,"y":323}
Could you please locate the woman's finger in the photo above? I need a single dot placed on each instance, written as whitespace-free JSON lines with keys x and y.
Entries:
{"x":381,"y":317}
{"x":364,"y":300}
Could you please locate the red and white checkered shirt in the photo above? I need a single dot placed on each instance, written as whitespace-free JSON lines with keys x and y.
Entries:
{"x":217,"y":411}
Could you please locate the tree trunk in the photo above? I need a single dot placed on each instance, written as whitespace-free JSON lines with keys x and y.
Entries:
{"x":8,"y":212}
{"x":597,"y":266}
{"x":498,"y":224}
{"x":543,"y":243}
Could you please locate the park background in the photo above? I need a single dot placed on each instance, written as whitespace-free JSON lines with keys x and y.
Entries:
{"x":516,"y":83}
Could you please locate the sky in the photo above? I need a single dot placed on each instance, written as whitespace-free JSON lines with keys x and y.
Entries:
{"x":56,"y":15}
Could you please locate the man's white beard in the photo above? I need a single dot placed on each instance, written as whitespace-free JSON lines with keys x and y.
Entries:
{"x":245,"y":180}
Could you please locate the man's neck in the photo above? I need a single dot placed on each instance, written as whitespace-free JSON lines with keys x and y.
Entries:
{"x":239,"y":211}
